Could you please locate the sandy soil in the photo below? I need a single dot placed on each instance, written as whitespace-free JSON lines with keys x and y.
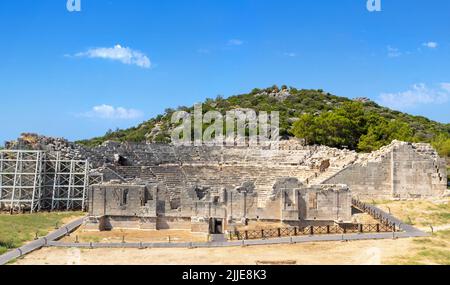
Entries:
{"x":346,"y":253}
{"x":136,"y":236}
{"x":373,"y":252}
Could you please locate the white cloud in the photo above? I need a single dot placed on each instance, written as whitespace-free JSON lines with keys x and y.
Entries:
{"x":118,"y":53}
{"x":430,"y":45}
{"x":109,"y":112}
{"x":419,"y":94}
{"x":446,"y":87}
{"x":235,"y":42}
{"x":290,"y":54}
{"x":393,"y":52}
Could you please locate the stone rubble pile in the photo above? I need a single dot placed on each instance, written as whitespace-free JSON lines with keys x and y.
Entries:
{"x":378,"y":156}
{"x":30,"y":141}
{"x":278,"y":94}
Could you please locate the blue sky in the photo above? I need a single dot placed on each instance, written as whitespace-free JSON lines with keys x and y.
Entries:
{"x":117,"y":63}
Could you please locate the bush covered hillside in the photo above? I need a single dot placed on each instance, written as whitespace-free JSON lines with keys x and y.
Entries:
{"x":316,"y":116}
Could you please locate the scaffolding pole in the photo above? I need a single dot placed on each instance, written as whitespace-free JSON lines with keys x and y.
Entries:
{"x":20,"y":179}
{"x":85,"y":186}
{"x":1,"y":179}
{"x":56,"y":182}
{"x":70,"y":187}
{"x":37,"y":185}
{"x":38,"y":180}
{"x":16,"y":174}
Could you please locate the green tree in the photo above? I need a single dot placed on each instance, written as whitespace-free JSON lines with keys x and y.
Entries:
{"x":306,"y":128}
{"x":441,"y":143}
{"x":331,"y":129}
{"x":342,"y":127}
{"x":357,"y":122}
{"x":383,"y":133}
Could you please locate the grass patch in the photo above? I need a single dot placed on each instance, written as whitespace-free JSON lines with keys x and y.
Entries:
{"x":445,"y":235}
{"x":3,"y":250}
{"x":437,"y":256}
{"x":15,"y":230}
{"x":427,"y":251}
{"x":418,"y":213}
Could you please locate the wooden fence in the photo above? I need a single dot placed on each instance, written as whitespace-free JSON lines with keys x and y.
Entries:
{"x":376,"y":213}
{"x":384,"y":225}
{"x":309,"y":231}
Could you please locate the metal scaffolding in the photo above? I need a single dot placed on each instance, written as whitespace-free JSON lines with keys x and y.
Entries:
{"x":40,"y":180}
{"x":21,"y":180}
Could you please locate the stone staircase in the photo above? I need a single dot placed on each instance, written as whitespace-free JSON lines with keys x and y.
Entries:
{"x":110,"y":173}
{"x":171,"y":176}
{"x":132,"y":172}
{"x":322,"y":177}
{"x":268,"y":177}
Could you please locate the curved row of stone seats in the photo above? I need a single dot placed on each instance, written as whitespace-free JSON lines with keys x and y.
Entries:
{"x":171,"y":176}
{"x":178,"y":178}
{"x":133,"y":172}
{"x":157,"y":154}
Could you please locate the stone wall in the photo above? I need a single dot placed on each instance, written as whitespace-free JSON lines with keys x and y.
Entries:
{"x":127,"y":205}
{"x":328,"y":202}
{"x":128,"y":200}
{"x":399,"y":171}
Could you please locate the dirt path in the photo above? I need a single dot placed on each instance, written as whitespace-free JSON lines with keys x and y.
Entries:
{"x":371,"y":256}
{"x":351,"y":253}
{"x":441,"y":228}
{"x":74,"y":256}
{"x":436,"y":229}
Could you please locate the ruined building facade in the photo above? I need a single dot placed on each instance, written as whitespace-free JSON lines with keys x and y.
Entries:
{"x":160,"y":186}
{"x":147,"y":206}
{"x":210,"y":188}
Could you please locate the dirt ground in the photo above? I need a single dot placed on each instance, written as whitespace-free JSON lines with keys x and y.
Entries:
{"x":422,"y":214}
{"x":118,"y":235}
{"x":136,"y":236}
{"x":345,"y":253}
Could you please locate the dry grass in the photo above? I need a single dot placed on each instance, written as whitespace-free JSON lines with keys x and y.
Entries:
{"x":422,"y":214}
{"x":425,"y":215}
{"x":428,"y":251}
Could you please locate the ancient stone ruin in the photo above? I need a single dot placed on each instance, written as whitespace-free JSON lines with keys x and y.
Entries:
{"x":213,"y":189}
{"x":151,"y":186}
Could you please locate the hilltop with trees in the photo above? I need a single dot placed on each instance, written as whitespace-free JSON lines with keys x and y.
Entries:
{"x":313,"y":115}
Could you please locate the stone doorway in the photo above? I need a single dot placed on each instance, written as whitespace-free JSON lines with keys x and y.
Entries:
{"x":215,"y":226}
